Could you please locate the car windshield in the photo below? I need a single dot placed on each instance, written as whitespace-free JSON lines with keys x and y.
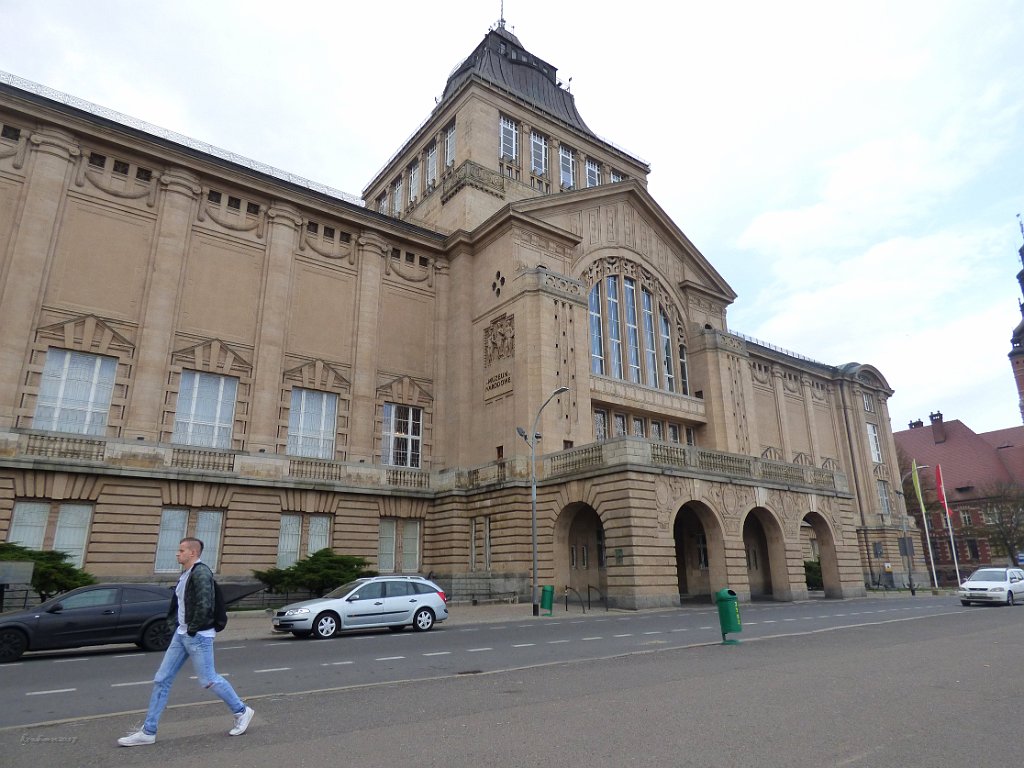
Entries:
{"x":988,"y":574}
{"x":344,"y":589}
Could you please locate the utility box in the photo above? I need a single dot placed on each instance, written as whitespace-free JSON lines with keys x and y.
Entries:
{"x":547,"y":598}
{"x":728,"y":614}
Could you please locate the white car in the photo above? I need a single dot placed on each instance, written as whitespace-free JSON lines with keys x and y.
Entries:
{"x":395,"y":602}
{"x":993,"y":585}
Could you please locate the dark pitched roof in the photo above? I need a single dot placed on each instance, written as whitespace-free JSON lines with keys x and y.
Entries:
{"x":501,"y":60}
{"x":970,"y":461}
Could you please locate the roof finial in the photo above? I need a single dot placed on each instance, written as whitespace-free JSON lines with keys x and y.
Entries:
{"x":501,"y":19}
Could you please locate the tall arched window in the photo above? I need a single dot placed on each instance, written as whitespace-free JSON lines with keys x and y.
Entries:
{"x":632,"y":336}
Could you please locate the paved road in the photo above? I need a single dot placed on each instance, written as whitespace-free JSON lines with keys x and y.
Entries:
{"x":58,"y":686}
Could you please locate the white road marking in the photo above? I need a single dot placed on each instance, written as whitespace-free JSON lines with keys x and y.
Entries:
{"x":390,"y":658}
{"x":125,"y":685}
{"x":44,"y":693}
{"x":335,"y":663}
{"x":438,"y":653}
{"x":272,"y":669}
{"x":477,"y":650}
{"x":556,"y":642}
{"x":593,"y":638}
{"x":628,"y":634}
{"x":523,"y":645}
{"x":67,"y":661}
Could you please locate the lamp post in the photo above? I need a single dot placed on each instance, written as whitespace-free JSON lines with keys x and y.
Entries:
{"x":906,"y":544}
{"x":531,"y":440}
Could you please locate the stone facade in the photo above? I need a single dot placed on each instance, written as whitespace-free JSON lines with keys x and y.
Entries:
{"x":192,"y":343}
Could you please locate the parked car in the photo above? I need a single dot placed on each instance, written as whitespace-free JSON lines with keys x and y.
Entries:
{"x":395,"y":602}
{"x":993,"y":585}
{"x":95,"y":615}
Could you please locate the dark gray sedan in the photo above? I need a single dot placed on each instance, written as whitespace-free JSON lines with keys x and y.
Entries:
{"x":93,"y":615}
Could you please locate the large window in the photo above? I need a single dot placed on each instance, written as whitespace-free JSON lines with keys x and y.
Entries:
{"x":317,"y":530}
{"x":47,"y":525}
{"x":431,"y":165}
{"x":312,"y":422}
{"x":75,"y":392}
{"x":176,"y":524}
{"x":396,"y":197}
{"x":538,"y":153}
{"x":414,"y":181}
{"x":593,"y":173}
{"x":402,"y":435}
{"x":398,"y":544}
{"x":567,"y":162}
{"x":449,"y":146}
{"x":509,"y":139}
{"x":874,"y":444}
{"x":631,"y":336}
{"x":206,"y":410}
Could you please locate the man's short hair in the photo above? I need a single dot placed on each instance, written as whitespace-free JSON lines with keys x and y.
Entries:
{"x":194,"y":542}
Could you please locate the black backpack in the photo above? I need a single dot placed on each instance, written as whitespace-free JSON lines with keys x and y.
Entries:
{"x":220,"y":608}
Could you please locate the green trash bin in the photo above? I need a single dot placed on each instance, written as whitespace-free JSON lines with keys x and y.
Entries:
{"x":728,"y":614}
{"x":547,"y":598}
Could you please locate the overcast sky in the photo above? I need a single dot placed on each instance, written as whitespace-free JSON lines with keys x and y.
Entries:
{"x":853,"y":171}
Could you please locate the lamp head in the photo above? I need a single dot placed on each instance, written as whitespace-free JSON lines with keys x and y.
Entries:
{"x":521,"y":432}
{"x":560,"y":390}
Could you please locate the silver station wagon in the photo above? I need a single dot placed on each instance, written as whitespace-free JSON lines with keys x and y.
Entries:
{"x":395,"y":602}
{"x":993,"y":585}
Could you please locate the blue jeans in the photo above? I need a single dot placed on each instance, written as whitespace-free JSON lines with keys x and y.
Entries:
{"x":200,"y":650}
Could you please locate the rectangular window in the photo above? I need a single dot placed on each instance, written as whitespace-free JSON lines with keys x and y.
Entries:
{"x":883,"y":497}
{"x":684,"y":383}
{"x":650,"y":343}
{"x":382,"y":204}
{"x":75,"y":392}
{"x":487,"y":543}
{"x":567,"y":161}
{"x":614,"y":327}
{"x":702,"y":552}
{"x":402,"y":435}
{"x":72,"y":532}
{"x":874,"y":444}
{"x":288,"y":540}
{"x":410,"y":546}
{"x":414,"y":181}
{"x":509,"y":139}
{"x":593,"y":173}
{"x":431,"y":165}
{"x":600,"y":425}
{"x":538,"y":153}
{"x":449,"y":146}
{"x":208,"y":525}
{"x":638,"y":427}
{"x":973,"y":553}
{"x":28,"y":524}
{"x":396,"y":197}
{"x":673,"y":433}
{"x":691,"y":436}
{"x":596,"y":333}
{"x":173,"y":524}
{"x":614,"y":176}
{"x":319,"y":533}
{"x":657,"y":433}
{"x":667,"y":369}
{"x":31,"y":519}
{"x":966,"y":519}
{"x":312,"y":423}
{"x":386,"y":547}
{"x":620,"y":425}
{"x":632,"y":329}
{"x":206,"y":410}
{"x":869,"y":403}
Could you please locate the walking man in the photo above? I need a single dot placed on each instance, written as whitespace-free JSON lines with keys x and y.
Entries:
{"x":191,"y":618}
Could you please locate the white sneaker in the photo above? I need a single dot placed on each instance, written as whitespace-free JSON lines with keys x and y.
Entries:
{"x":136,"y":739}
{"x":242,"y":721}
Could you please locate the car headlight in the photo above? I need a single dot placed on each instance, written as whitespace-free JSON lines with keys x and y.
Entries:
{"x":997,"y":589}
{"x":296,"y":611}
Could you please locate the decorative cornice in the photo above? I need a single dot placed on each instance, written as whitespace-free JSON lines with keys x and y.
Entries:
{"x":55,"y":142}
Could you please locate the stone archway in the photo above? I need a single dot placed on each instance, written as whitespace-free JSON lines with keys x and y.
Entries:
{"x":700,"y":553}
{"x":580,"y":558}
{"x":765,"y":550}
{"x":818,"y":542}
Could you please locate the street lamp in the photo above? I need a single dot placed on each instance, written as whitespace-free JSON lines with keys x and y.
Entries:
{"x":906,"y":544}
{"x":531,"y":441}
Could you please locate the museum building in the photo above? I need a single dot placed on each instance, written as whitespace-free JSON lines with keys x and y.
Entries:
{"x":193,"y":343}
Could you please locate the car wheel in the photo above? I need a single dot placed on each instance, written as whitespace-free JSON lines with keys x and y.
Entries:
{"x":12,"y":644}
{"x":423,"y":620}
{"x":326,"y":625}
{"x":302,"y":633}
{"x":1009,"y":598}
{"x":965,"y":602}
{"x":156,"y":636}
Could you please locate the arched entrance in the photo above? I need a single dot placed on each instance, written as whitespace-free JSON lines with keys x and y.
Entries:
{"x":766,"y":557}
{"x":818,"y":544}
{"x":580,"y":562}
{"x":700,"y":554}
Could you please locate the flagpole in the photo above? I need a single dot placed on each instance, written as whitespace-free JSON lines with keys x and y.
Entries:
{"x":949,"y":520}
{"x":924,"y":519}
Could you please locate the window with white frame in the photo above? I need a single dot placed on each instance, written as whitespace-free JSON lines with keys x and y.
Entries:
{"x":75,"y":392}
{"x":869,"y":402}
{"x":410,"y":546}
{"x":614,"y":176}
{"x":567,"y":163}
{"x":638,"y":427}
{"x":312,"y":423}
{"x":538,"y":153}
{"x":49,"y":525}
{"x":874,"y":444}
{"x":382,"y":204}
{"x":176,"y":523}
{"x":593,"y":173}
{"x":620,"y":424}
{"x":449,"y":146}
{"x":673,"y":433}
{"x":414,"y":180}
{"x":402,"y":435}
{"x":294,"y":527}
{"x":623,"y":312}
{"x":509,"y":139}
{"x":396,"y":197}
{"x":657,"y":432}
{"x":600,"y":425}
{"x":386,"y":545}
{"x":431,"y":165}
{"x":206,"y":410}
{"x":398,"y":546}
{"x":883,"y":498}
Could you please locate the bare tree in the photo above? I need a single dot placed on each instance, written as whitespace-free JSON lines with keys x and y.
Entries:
{"x":1002,"y":519}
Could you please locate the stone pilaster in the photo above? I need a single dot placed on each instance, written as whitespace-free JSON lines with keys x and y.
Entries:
{"x":812,"y":430}
{"x":372,"y":251}
{"x":284,"y":224}
{"x":156,"y":331}
{"x":50,"y":166}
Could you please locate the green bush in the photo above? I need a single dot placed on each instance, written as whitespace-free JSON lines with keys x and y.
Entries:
{"x":812,"y":574}
{"x":52,"y":574}
{"x":319,"y":573}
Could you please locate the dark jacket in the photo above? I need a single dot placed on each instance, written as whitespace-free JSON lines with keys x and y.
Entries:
{"x":199,"y":598}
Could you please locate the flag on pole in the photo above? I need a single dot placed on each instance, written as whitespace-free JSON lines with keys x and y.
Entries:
{"x":949,"y":521}
{"x":924,"y":521}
